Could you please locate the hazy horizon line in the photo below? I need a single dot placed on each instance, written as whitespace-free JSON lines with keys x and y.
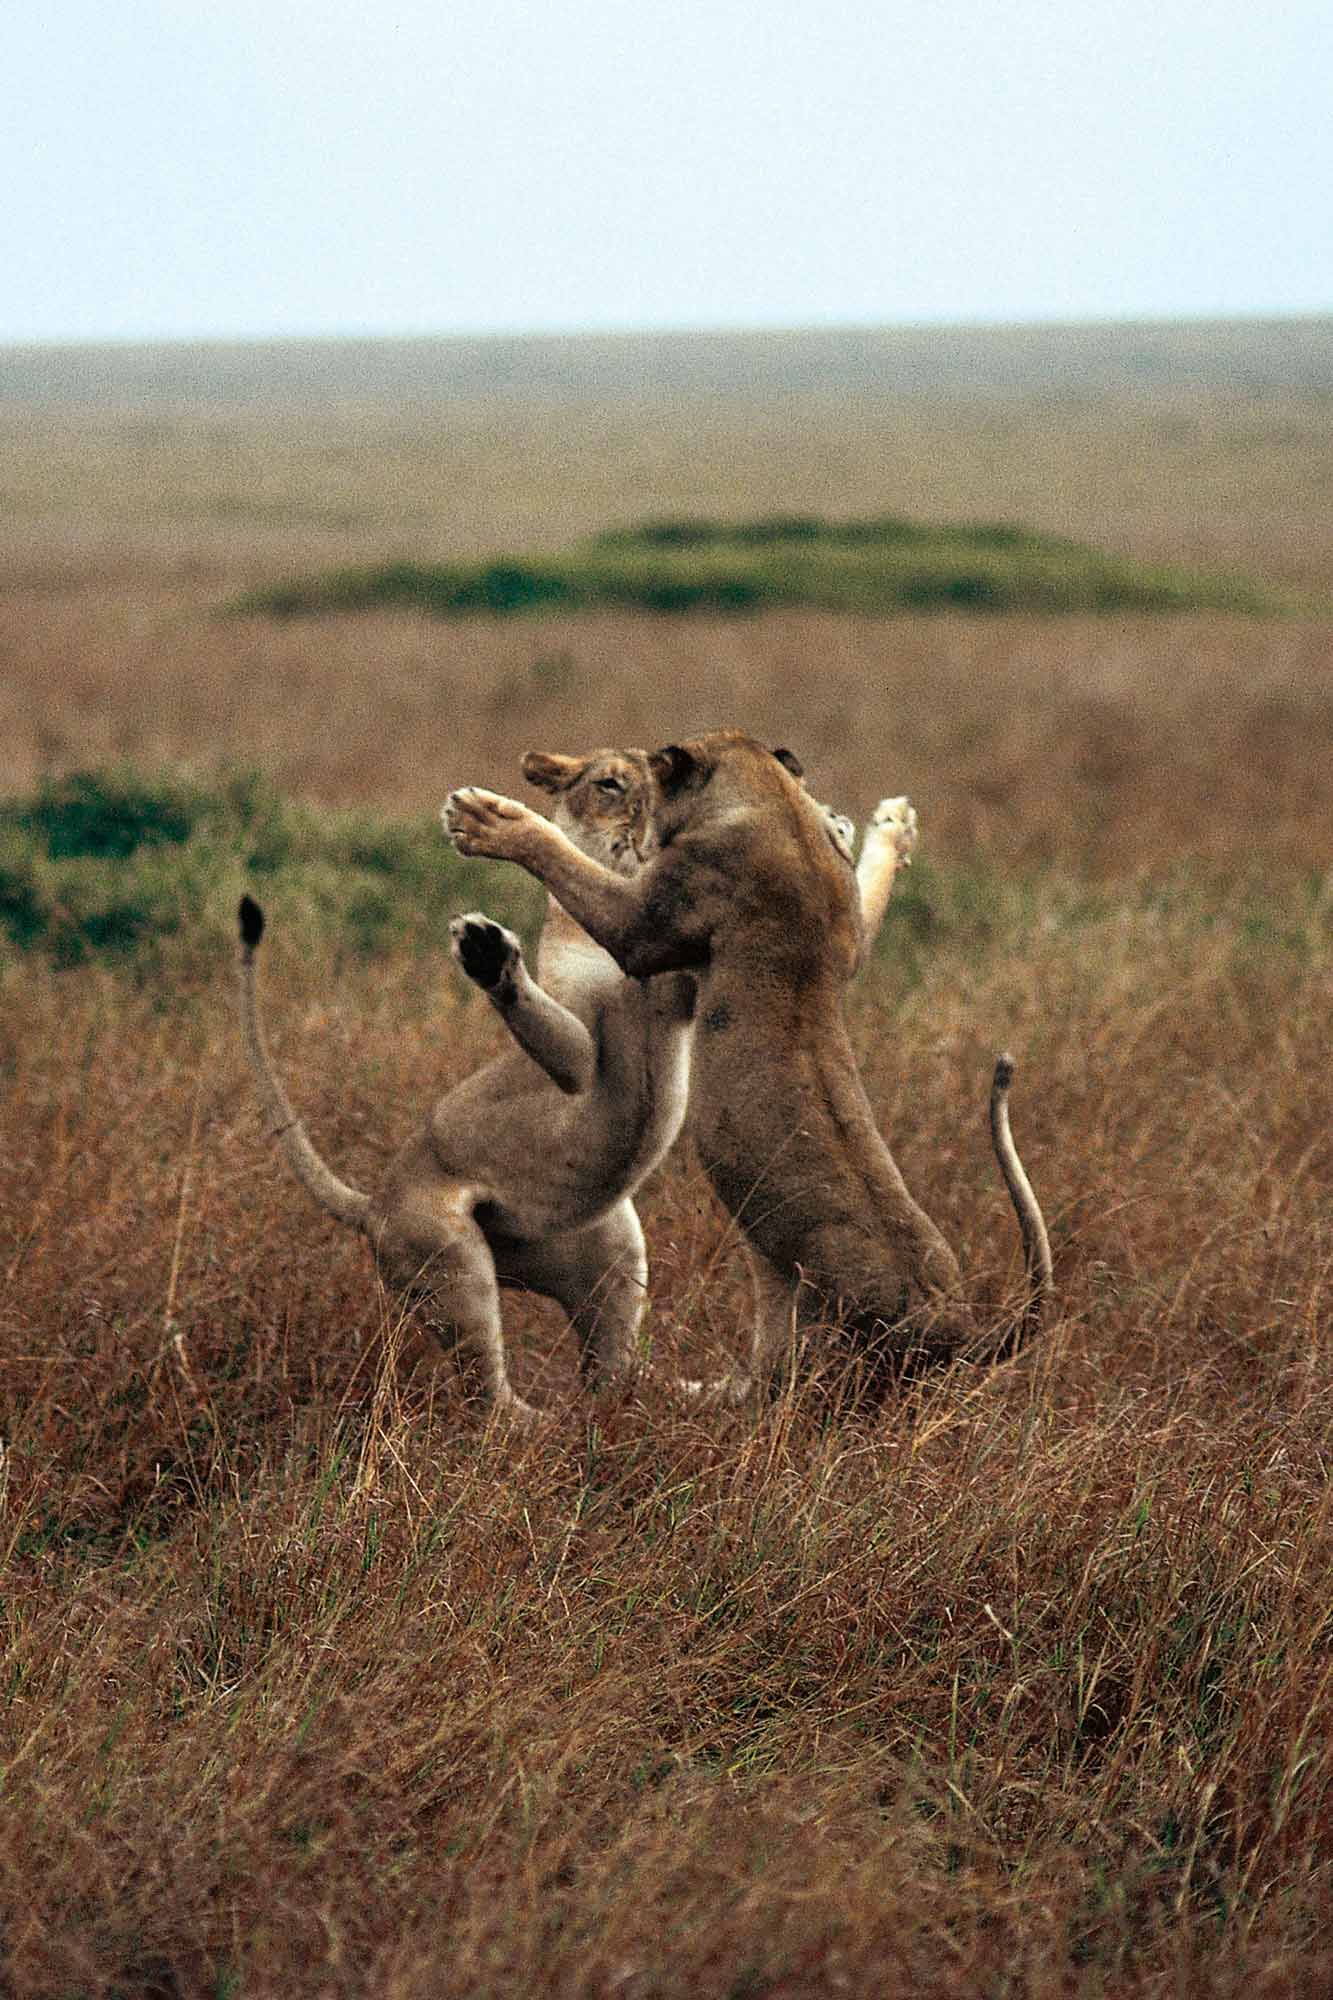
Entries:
{"x":677,"y":330}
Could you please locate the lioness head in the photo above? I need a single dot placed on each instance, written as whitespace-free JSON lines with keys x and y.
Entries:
{"x":603,"y":801}
{"x":748,"y":769}
{"x":739,"y":797}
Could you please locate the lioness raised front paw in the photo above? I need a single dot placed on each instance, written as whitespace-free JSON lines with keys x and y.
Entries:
{"x":485,"y":951}
{"x":482,"y":822}
{"x":894,"y":821}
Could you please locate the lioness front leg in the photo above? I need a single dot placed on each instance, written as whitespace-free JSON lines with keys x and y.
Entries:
{"x":492,"y":958}
{"x":635,"y":919}
{"x":889,"y":844}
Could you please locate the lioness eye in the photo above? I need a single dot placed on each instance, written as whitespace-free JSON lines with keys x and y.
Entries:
{"x":609,"y":784}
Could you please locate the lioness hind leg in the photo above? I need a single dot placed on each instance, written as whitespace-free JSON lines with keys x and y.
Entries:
{"x":492,"y":958}
{"x":889,"y":844}
{"x":773,"y":1330}
{"x":435,"y":1258}
{"x":772,"y":1340}
{"x":600,"y":1276}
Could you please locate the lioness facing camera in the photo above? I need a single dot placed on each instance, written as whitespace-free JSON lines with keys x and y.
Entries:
{"x":747,"y":891}
{"x":523,"y":1174}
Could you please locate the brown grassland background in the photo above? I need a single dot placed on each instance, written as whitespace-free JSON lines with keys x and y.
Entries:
{"x":314,"y":1684}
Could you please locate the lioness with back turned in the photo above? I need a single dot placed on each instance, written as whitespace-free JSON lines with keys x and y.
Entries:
{"x":747,"y":892}
{"x":523,"y":1174}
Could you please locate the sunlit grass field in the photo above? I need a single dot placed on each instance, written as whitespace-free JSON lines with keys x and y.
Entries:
{"x":315,"y":1684}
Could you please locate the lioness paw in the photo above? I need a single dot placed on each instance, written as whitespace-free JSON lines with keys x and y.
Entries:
{"x":485,"y":951}
{"x":726,"y":1392}
{"x":482,"y":822}
{"x":894,"y":822}
{"x":510,"y":1408}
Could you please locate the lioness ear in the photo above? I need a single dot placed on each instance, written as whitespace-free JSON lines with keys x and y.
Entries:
{"x":673,"y":767}
{"x":791,"y":761}
{"x":549,"y":771}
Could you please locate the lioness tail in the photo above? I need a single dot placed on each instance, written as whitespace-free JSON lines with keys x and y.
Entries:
{"x":317,"y":1178}
{"x":1032,"y":1226}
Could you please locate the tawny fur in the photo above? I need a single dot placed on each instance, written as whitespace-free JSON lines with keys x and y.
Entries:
{"x":522,"y":1175}
{"x":748,"y":892}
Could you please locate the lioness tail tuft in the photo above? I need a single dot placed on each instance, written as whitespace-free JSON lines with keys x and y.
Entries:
{"x":252,"y":922}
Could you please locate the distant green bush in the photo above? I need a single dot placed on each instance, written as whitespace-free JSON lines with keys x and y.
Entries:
{"x":883,"y":564}
{"x":109,"y":814}
{"x":888,"y":529}
{"x":122,"y":866}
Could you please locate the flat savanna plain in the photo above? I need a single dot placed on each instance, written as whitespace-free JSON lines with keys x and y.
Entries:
{"x":316,"y":1684}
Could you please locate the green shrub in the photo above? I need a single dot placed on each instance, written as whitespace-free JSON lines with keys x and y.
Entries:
{"x":110,"y":813}
{"x":122,"y":866}
{"x":881,"y":564}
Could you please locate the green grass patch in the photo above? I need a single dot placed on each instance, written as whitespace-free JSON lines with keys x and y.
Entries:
{"x":964,"y":917}
{"x":883,"y":564}
{"x":121,"y":866}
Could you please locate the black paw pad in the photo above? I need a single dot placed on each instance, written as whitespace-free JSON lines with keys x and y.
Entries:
{"x":484,"y":952}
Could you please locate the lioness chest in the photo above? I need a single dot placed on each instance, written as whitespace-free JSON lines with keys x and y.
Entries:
{"x":583,"y":1154}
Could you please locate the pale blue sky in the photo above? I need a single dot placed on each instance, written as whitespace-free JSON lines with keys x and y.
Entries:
{"x":171,"y":167}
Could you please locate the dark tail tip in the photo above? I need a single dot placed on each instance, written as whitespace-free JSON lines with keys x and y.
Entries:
{"x":252,"y":922}
{"x":1004,"y":1073}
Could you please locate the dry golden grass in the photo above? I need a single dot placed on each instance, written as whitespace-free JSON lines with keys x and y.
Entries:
{"x":1107,"y":745}
{"x":314,"y":1685}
